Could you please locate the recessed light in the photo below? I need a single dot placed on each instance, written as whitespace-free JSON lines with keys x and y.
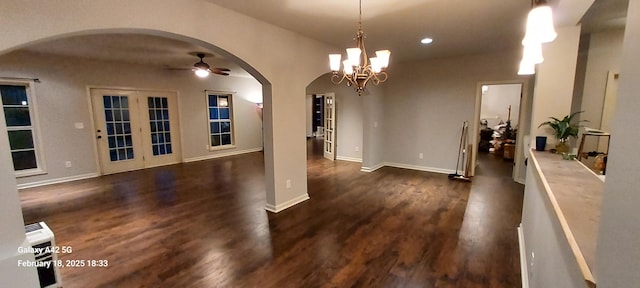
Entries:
{"x":426,"y":40}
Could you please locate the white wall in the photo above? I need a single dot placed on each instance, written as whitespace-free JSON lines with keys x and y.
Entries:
{"x":425,"y":103}
{"x":62,"y":101}
{"x":554,"y":82}
{"x":496,"y":101}
{"x":618,"y":252}
{"x":604,"y":55}
{"x":548,"y":256}
{"x":374,"y":131}
{"x":348,"y":117}
{"x":309,"y":108}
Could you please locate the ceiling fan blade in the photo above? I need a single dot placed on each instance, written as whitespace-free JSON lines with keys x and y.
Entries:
{"x":221,"y":69}
{"x":220,"y":73}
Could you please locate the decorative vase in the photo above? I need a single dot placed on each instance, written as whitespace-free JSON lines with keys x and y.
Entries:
{"x":562,"y":146}
{"x":541,"y":143}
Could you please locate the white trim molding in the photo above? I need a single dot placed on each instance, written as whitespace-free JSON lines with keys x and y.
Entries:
{"x":350,"y":159}
{"x":225,"y":154}
{"x":288,"y":204}
{"x":421,"y":168}
{"x":57,"y":181}
{"x":524,"y":272}
{"x":411,"y":167}
{"x":371,"y":169}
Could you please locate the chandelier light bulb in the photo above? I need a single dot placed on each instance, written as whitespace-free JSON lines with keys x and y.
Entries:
{"x":533,"y":53}
{"x":354,"y":56}
{"x":348,"y":67}
{"x":375,"y":64}
{"x":334,"y":62}
{"x":540,"y":25}
{"x":383,"y":55}
{"x":526,"y":68}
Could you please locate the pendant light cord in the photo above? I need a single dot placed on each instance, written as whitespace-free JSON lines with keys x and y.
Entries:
{"x":360,"y":19}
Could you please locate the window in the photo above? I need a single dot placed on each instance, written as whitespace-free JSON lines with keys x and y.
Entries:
{"x":220,"y":120}
{"x":18,"y":106}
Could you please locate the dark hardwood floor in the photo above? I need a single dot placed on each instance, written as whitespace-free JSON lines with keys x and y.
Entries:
{"x":203,"y":224}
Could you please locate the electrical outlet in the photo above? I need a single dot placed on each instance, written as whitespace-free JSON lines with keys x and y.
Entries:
{"x":67,"y":164}
{"x":357,"y":148}
{"x":288,"y":183}
{"x":421,"y":156}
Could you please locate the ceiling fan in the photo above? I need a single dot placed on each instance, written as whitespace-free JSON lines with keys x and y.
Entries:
{"x":202,"y":69}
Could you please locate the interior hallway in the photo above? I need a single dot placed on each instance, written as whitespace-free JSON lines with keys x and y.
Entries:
{"x":203,"y":224}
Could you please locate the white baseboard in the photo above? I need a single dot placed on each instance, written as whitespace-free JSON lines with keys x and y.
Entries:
{"x":350,"y":159}
{"x":523,"y":258}
{"x":421,"y":168}
{"x":219,"y":155}
{"x":288,"y":204}
{"x":408,"y":166}
{"x":371,"y":169}
{"x":57,"y":180}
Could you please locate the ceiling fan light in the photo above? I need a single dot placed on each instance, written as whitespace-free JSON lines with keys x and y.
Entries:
{"x":383,"y":55}
{"x":334,"y":62}
{"x":202,"y":73}
{"x":354,"y":56}
{"x":540,"y":25}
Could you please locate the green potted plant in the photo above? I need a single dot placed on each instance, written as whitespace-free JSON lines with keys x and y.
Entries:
{"x":563,"y":129}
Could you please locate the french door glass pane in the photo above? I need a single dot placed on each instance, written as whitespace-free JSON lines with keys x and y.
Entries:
{"x":116,"y":112}
{"x":159,"y":125}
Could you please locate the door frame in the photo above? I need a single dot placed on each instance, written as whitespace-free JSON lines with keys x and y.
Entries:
{"x":94,"y":139}
{"x":524,"y":115}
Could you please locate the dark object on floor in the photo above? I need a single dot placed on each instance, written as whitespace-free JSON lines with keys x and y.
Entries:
{"x":485,"y":140}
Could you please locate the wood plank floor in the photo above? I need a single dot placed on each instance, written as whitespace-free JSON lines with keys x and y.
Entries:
{"x":203,"y":224}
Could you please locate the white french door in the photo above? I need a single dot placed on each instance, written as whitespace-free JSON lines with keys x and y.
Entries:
{"x":135,"y":129}
{"x":329,"y":126}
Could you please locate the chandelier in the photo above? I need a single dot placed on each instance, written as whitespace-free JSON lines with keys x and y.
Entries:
{"x":357,"y":69}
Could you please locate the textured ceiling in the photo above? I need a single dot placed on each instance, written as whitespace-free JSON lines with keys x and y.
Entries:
{"x":151,"y":50}
{"x":457,"y":26}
